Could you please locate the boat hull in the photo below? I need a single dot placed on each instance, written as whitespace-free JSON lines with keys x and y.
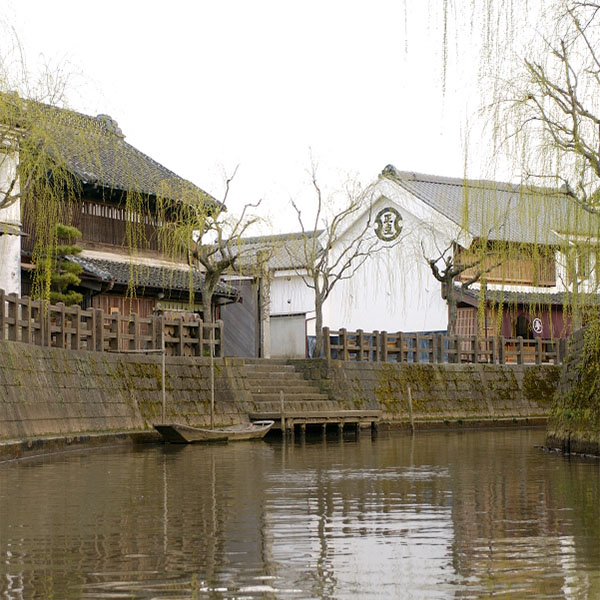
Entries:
{"x":185,"y":434}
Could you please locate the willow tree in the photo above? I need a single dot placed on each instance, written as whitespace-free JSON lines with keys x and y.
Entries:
{"x":209,"y":238}
{"x":458,"y":271}
{"x":36,"y":185}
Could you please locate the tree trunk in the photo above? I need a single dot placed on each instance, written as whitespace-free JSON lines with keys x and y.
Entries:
{"x":452,"y":307}
{"x":207,"y":294}
{"x":318,"y":327}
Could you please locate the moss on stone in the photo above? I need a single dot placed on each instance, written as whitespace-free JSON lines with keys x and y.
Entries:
{"x":540,"y":383}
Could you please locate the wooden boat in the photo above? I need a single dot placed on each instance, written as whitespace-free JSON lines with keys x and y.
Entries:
{"x":186,"y":434}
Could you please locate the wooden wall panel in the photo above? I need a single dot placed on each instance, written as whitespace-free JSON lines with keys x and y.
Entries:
{"x":142,"y":307}
{"x":241,"y":334}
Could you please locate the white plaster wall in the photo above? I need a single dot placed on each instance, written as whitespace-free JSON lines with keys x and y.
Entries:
{"x":394,"y":289}
{"x":290,"y":295}
{"x":288,"y":336}
{"x":10,"y":245}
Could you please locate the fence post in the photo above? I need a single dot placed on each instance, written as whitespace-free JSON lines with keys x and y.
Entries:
{"x":136,"y":332}
{"x":361,"y":342}
{"x":27,"y":338}
{"x":115,"y":326}
{"x":157,"y":331}
{"x":201,"y":337}
{"x":344,"y":340}
{"x":12,"y":316}
{"x":179,"y":328}
{"x":326,"y":344}
{"x":98,"y":344}
{"x":76,"y":341}
{"x":502,"y":350}
{"x":538,"y":351}
{"x":376,"y":347}
{"x":384,"y":346}
{"x":2,"y":315}
{"x":221,"y":327}
{"x":400,"y":343}
{"x":37,"y":323}
{"x":520,"y":350}
{"x":437,"y":347}
{"x":475,"y":343}
{"x":62,"y":333}
{"x":47,"y":307}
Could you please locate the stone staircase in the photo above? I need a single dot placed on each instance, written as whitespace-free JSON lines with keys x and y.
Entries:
{"x":266,"y":378}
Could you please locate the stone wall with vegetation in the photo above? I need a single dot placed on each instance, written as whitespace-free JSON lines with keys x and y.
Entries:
{"x":54,"y":392}
{"x":47,"y":391}
{"x":574,"y":424}
{"x":440,"y":393}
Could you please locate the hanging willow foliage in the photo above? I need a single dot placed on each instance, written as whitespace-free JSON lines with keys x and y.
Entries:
{"x":536,"y":69}
{"x":58,"y":156}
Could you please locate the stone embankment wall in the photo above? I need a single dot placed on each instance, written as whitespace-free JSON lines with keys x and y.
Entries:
{"x":47,"y":391}
{"x":440,"y":393}
{"x":574,"y":424}
{"x":54,"y":392}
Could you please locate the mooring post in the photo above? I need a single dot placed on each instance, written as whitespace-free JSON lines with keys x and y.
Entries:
{"x":162,"y":373}
{"x":410,"y":410}
{"x":283,"y":430}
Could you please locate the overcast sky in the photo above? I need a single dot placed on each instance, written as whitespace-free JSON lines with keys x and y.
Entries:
{"x":204,"y":86}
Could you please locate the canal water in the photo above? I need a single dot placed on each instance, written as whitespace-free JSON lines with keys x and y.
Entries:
{"x":470,"y":514}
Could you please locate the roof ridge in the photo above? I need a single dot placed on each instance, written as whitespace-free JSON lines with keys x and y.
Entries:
{"x":391,"y":172}
{"x":281,"y":236}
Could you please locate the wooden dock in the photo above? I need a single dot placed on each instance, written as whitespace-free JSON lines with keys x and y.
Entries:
{"x":289,"y":422}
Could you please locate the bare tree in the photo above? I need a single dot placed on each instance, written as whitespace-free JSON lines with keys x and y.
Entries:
{"x":331,"y":250}
{"x":555,"y":106}
{"x":448,"y":266}
{"x":211,"y":239}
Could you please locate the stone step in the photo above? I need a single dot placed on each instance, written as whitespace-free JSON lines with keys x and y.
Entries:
{"x":303,"y":397}
{"x":288,"y":387}
{"x":274,"y":374}
{"x":295,"y":406}
{"x":267,"y":361}
{"x":262,"y":373}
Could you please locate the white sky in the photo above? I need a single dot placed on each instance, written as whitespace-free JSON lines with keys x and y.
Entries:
{"x":202,"y":86}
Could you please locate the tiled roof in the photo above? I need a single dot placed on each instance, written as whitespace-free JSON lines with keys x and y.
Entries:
{"x":95,"y":151}
{"x":515,"y":298}
{"x":540,"y":299}
{"x":147,"y":276}
{"x":500,"y":211}
{"x":285,"y":251}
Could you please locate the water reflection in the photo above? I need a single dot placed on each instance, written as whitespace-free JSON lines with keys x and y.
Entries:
{"x":437,"y":515}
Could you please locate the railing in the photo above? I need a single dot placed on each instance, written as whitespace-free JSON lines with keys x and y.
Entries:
{"x":439,"y":348}
{"x":59,"y":326}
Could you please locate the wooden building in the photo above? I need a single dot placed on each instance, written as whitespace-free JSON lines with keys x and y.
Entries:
{"x":122,"y":201}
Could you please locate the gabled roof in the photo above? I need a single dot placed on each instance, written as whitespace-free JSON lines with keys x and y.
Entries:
{"x":148,"y":276}
{"x":94,"y":150}
{"x":284,"y":251}
{"x":500,"y":211}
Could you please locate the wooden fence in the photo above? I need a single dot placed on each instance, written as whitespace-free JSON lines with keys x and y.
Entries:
{"x":58,"y":326}
{"x":439,"y":348}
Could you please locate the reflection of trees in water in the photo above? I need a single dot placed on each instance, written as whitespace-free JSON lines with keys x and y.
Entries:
{"x":514,"y":524}
{"x":110,"y":516}
{"x":479,"y":504}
